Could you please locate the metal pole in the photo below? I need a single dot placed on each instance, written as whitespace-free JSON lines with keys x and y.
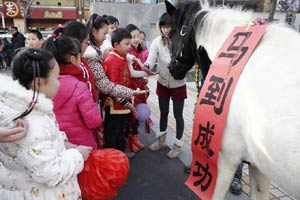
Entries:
{"x":3,"y":21}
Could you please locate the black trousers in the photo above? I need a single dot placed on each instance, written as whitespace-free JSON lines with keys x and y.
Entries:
{"x":178,"y":115}
{"x":134,"y":127}
{"x":115,"y":130}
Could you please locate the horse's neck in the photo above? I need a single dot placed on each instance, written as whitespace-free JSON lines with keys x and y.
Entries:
{"x":216,"y":27}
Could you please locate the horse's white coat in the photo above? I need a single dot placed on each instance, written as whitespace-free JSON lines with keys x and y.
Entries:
{"x":263,"y":124}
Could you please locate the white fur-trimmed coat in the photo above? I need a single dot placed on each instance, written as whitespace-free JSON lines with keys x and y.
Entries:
{"x":38,"y":166}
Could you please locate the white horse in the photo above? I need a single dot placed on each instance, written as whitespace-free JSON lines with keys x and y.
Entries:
{"x":263,"y":124}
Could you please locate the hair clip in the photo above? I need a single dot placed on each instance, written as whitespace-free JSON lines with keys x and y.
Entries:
{"x":60,"y":26}
{"x":34,"y":54}
{"x":53,"y":36}
{"x":95,"y":20}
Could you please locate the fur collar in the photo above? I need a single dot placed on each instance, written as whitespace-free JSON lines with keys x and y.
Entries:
{"x":14,"y":95}
{"x":90,"y":52}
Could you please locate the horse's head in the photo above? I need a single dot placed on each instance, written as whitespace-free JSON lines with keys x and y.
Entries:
{"x":184,"y":49}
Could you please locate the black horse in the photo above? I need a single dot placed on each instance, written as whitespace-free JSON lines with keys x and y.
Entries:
{"x":185,"y":53}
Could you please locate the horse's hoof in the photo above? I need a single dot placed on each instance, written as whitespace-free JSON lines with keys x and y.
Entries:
{"x":236,"y":187}
{"x":187,"y":169}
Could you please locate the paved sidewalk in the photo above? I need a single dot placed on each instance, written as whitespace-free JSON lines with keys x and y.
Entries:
{"x":153,"y":176}
{"x":276,"y":193}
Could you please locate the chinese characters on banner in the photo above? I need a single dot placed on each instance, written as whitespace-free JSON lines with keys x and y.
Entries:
{"x":213,"y":105}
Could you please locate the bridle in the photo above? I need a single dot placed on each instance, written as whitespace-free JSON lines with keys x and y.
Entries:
{"x":187,"y":33}
{"x":184,"y":63}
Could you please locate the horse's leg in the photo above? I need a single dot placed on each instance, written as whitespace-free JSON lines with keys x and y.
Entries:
{"x":259,"y":184}
{"x":226,"y":170}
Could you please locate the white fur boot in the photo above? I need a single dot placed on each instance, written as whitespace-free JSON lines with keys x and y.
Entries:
{"x":160,"y":141}
{"x":176,"y":149}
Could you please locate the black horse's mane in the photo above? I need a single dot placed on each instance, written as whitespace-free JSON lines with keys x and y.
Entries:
{"x":185,"y":50}
{"x":186,"y":11}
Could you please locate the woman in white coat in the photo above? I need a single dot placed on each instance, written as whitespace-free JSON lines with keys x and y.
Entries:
{"x":167,"y":88}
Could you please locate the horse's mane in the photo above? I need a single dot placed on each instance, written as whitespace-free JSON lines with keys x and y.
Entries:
{"x":214,"y":28}
{"x":186,"y":11}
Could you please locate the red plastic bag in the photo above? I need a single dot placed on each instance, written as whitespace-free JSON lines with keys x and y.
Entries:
{"x":104,"y":172}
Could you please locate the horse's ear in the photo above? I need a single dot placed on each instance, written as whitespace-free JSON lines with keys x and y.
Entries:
{"x":170,"y":8}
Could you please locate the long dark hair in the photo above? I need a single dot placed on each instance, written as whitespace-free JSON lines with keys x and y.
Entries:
{"x":111,"y":19}
{"x":165,"y":20}
{"x":130,"y":28}
{"x":95,"y":22}
{"x":62,"y":47}
{"x":76,"y":30}
{"x":27,"y":65}
{"x":31,"y":63}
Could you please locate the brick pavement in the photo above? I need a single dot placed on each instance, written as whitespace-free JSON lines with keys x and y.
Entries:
{"x":276,"y":193}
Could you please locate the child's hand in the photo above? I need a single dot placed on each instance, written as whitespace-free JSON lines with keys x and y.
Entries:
{"x":18,"y":131}
{"x":132,"y":108}
{"x":140,"y":92}
{"x":152,"y":73}
{"x":85,"y":151}
{"x":146,"y":69}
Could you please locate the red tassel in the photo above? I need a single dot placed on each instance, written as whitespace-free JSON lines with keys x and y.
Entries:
{"x":98,"y":136}
{"x":148,"y":123}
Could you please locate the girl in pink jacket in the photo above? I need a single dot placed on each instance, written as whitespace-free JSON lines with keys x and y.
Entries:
{"x":76,"y":112}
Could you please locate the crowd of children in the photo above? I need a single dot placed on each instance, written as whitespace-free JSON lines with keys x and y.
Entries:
{"x":70,"y":82}
{"x":83,"y":83}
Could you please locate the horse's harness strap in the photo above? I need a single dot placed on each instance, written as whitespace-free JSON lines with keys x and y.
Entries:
{"x":188,"y":31}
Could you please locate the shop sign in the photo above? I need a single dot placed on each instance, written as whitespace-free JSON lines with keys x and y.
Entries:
{"x":53,"y":14}
{"x":11,"y":8}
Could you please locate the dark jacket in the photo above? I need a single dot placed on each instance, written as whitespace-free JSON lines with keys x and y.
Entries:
{"x":17,"y":41}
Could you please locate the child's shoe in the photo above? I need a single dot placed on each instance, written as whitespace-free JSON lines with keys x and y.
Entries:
{"x":130,"y":146}
{"x":136,"y":142}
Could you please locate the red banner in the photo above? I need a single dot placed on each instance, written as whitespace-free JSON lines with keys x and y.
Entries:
{"x":213,"y":105}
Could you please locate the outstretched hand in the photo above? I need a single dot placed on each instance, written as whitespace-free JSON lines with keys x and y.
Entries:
{"x":132,"y":108}
{"x":147,"y":70}
{"x":18,"y":131}
{"x":140,"y":92}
